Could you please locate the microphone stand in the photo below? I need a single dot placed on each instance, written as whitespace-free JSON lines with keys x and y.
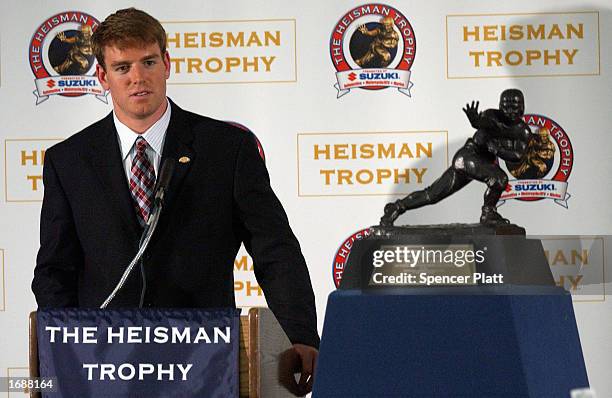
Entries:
{"x":147,"y":234}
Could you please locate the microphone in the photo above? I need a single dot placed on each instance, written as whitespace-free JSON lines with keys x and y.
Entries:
{"x":163,"y":182}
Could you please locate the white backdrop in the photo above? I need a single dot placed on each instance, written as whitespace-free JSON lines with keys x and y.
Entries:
{"x":271,"y":67}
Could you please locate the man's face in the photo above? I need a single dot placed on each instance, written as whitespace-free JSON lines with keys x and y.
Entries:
{"x":512,"y":106}
{"x":136,"y":78}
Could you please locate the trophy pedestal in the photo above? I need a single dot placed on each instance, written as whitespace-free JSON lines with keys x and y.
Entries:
{"x":480,"y":339}
{"x":425,"y":342}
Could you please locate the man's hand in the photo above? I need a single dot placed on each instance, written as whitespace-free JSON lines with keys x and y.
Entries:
{"x":471,"y":111}
{"x":298,"y":359}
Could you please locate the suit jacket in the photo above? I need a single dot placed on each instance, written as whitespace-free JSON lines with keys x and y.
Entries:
{"x":221,"y":197}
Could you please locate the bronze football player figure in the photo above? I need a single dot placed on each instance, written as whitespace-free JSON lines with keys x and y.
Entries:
{"x":499,"y":133}
{"x":538,"y":157}
{"x":385,"y":39}
{"x":80,"y":51}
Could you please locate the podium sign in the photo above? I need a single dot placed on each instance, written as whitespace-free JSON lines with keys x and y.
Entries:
{"x":139,"y":352}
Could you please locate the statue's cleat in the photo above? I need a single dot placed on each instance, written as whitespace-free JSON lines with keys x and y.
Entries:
{"x":386,"y":221}
{"x":491,"y":217}
{"x":392,"y":212}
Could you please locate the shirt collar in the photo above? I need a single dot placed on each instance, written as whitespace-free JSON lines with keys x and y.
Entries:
{"x":154,"y":134}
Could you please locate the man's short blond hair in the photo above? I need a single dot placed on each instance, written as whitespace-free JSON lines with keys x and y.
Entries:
{"x":128,"y":28}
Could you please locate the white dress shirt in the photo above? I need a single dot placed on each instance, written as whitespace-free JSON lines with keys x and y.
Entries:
{"x":155,"y":136}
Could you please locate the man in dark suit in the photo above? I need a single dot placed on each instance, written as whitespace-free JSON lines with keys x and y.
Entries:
{"x":98,"y":186}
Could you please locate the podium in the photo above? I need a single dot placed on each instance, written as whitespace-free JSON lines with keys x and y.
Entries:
{"x":262,"y":340}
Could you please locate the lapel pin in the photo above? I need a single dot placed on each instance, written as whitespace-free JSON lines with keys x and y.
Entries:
{"x":184,"y":159}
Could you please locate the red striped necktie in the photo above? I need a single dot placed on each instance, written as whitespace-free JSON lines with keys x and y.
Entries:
{"x":142,"y":181}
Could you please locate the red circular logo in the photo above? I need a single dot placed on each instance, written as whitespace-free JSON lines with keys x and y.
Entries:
{"x":61,"y":55}
{"x":377,"y":42}
{"x":343,"y":252}
{"x":543,"y":171}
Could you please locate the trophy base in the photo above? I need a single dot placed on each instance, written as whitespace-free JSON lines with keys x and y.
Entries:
{"x":448,"y":229}
{"x":503,"y":256}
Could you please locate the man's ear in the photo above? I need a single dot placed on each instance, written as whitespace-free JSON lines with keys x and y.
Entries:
{"x":166,"y":58}
{"x":102,"y":77}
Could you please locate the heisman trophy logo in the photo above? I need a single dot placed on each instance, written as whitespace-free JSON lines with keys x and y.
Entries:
{"x":545,"y":168}
{"x":341,"y":257}
{"x":62,"y":59}
{"x":373,"y":47}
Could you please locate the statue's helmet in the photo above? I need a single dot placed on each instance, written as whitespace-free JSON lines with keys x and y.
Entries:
{"x":543,"y":133}
{"x":387,"y":22}
{"x":86,"y":30}
{"x":512,"y":104}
